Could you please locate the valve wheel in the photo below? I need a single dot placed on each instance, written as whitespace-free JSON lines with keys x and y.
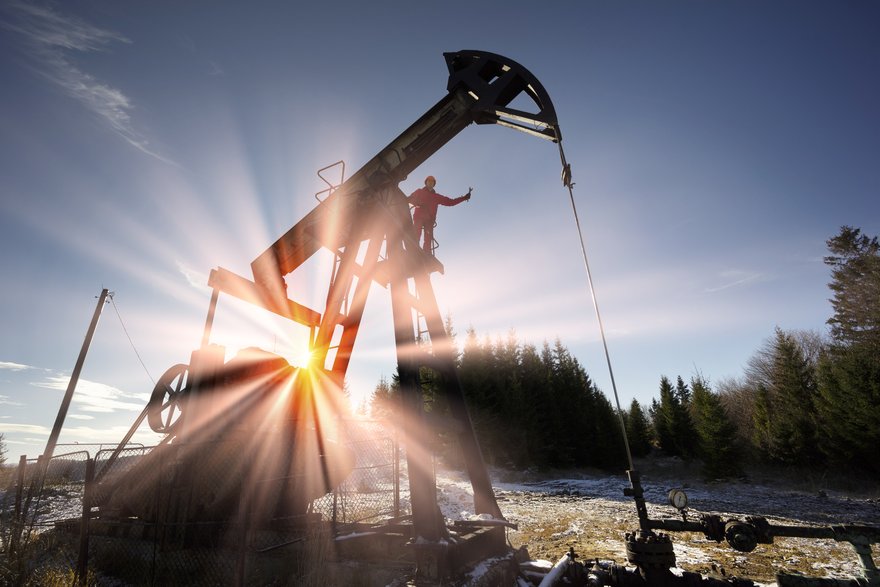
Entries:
{"x":741,"y":536}
{"x":166,"y":402}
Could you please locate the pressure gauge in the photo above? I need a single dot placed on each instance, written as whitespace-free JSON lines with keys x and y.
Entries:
{"x":678,"y":499}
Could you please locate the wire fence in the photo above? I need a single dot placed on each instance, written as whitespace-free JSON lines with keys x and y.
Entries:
{"x":187,"y":515}
{"x":372,"y":491}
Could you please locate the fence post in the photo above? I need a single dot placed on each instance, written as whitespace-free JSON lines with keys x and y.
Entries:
{"x":22,"y":464}
{"x":243,"y":521}
{"x":82,"y":565}
{"x":17,"y":521}
{"x":395,"y":456}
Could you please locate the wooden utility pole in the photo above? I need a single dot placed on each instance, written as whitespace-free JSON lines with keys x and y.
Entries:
{"x":74,"y":378}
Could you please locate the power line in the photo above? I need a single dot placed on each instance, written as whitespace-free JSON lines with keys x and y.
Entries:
{"x":131,"y":342}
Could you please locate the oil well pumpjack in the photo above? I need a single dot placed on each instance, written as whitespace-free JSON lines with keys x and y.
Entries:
{"x":365,"y":223}
{"x":210,"y":409}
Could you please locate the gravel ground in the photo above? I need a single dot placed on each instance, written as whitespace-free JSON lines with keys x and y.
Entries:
{"x":591,"y":514}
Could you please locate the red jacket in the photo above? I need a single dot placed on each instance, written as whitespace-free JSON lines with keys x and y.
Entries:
{"x":426,"y":202}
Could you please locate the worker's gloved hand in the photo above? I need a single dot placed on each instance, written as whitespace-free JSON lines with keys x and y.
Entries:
{"x":467,"y":196}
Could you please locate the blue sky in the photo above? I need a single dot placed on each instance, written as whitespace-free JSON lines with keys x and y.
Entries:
{"x":715,"y":147}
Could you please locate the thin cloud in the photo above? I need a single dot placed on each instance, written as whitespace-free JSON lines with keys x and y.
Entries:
{"x":735,"y":278}
{"x":14,"y":366}
{"x":96,"y":397}
{"x":107,"y":435}
{"x":196,"y":279}
{"x":24,"y":428}
{"x":5,"y":401}
{"x":50,"y":39}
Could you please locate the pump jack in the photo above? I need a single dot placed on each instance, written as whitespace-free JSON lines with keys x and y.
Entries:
{"x":370,"y":208}
{"x":366,"y":212}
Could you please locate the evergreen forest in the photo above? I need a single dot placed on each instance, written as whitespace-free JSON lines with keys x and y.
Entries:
{"x":805,"y":399}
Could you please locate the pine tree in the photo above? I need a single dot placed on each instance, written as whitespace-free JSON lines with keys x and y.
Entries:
{"x":682,"y":392}
{"x":716,"y":433}
{"x":529,"y":407}
{"x":536,"y":399}
{"x":849,"y":407}
{"x":504,"y":383}
{"x":663,"y":414}
{"x":794,"y":394}
{"x":785,"y":427}
{"x":855,"y":282}
{"x":383,"y":401}
{"x":682,"y":426}
{"x":570,"y":428}
{"x":609,"y":453}
{"x":848,"y":401}
{"x":638,"y":431}
{"x":542,"y":417}
{"x":476,"y":372}
{"x":450,"y":332}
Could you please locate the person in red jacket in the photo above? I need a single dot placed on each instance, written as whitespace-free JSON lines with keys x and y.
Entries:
{"x":425,"y":202}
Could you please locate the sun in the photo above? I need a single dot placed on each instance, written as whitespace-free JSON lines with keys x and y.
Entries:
{"x":303,"y":359}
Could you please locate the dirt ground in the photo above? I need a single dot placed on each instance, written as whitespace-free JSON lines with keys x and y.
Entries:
{"x":587,"y":511}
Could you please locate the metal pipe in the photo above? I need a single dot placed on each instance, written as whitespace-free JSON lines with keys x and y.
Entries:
{"x":209,"y":319}
{"x":558,"y":570}
{"x":566,"y":180}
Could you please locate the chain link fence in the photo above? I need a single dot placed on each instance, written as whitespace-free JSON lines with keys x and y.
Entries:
{"x":158,"y":517}
{"x":39,"y":496}
{"x":372,"y":491}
